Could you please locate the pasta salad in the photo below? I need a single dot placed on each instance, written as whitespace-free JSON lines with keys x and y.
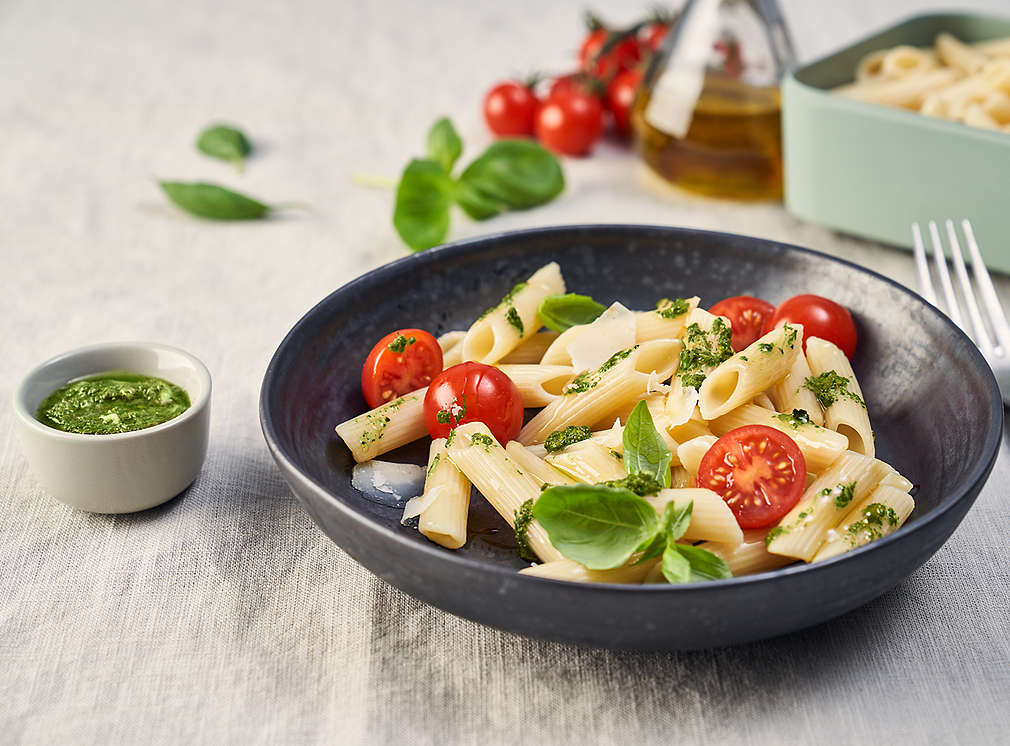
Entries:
{"x":673,"y":445}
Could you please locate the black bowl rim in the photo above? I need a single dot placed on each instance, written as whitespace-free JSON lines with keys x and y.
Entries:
{"x":464,"y":246}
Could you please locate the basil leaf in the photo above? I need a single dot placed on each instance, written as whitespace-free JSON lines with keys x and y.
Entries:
{"x":652,"y":548}
{"x":213,"y":201}
{"x":510,"y":175}
{"x":561,"y":312}
{"x":423,"y":197}
{"x":704,"y":564}
{"x":598,"y":527}
{"x":676,"y":520}
{"x":644,"y":449}
{"x":444,"y":145}
{"x":676,"y":568}
{"x":224,"y":142}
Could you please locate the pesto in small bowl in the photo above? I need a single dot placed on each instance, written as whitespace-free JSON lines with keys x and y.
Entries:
{"x":115,"y":402}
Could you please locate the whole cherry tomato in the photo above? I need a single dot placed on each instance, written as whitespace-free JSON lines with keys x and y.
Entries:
{"x":510,"y":108}
{"x":821,"y":317}
{"x":623,"y":55}
{"x":570,"y":122}
{"x":747,"y":318}
{"x":759,"y":471}
{"x":654,"y":35}
{"x":621,"y":96}
{"x":473,"y":392}
{"x":403,"y":361}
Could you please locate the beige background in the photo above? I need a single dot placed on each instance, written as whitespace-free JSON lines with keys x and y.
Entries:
{"x":225,"y":616}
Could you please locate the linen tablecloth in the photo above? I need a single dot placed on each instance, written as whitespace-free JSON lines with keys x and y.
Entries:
{"x":225,"y":615}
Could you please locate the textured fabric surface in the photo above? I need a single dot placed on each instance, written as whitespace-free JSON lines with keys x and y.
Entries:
{"x":224,"y":616}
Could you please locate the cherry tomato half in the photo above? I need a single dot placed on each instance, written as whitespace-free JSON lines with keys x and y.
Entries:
{"x":759,"y":471}
{"x":510,"y":108}
{"x":570,"y":122}
{"x":747,"y":318}
{"x":624,"y":55}
{"x":820,"y":317}
{"x":473,"y":392}
{"x":621,"y":96}
{"x":403,"y":361}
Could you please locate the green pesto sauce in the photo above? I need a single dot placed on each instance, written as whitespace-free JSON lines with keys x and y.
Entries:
{"x":523,"y":518}
{"x":640,"y":483}
{"x":671,"y":309}
{"x":843,"y":493}
{"x":512,"y":317}
{"x":480,"y":439}
{"x":796,"y":419}
{"x":829,"y":386}
{"x":561,"y":439}
{"x":588,"y":380}
{"x":112,"y":403}
{"x":872,"y":526}
{"x":378,"y":419}
{"x":505,"y":301}
{"x":703,"y":350}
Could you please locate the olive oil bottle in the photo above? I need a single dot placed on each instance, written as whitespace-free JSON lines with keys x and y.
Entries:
{"x":708,"y":115}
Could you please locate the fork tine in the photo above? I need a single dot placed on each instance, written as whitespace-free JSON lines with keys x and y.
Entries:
{"x":922,"y":267}
{"x":953,"y":309}
{"x":981,"y":335}
{"x":989,"y":298}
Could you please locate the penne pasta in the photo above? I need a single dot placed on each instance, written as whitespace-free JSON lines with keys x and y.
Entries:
{"x":711,"y":517}
{"x":691,"y":452}
{"x":882,"y":512}
{"x":667,"y":321}
{"x":566,"y":569}
{"x":748,"y":557}
{"x":847,"y":414}
{"x":442,"y":508}
{"x":589,"y":462}
{"x":828,"y":498}
{"x":384,"y":428}
{"x":504,"y":326}
{"x":535,"y":466}
{"x":531,"y":350}
{"x":538,"y":385}
{"x":788,"y":393}
{"x":959,"y":56}
{"x":750,"y":372}
{"x":597,"y":396}
{"x":484,"y":462}
{"x":587,"y":346}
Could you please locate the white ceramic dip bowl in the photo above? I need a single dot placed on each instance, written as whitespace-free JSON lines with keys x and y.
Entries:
{"x":123,"y":472}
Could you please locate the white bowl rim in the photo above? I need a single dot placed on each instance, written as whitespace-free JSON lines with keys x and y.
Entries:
{"x":196,"y":405}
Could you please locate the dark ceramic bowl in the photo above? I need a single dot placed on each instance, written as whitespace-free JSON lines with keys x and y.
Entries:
{"x":934,"y":404}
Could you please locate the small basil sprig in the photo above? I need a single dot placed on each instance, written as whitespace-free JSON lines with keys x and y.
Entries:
{"x":561,"y":312}
{"x":509,"y":175}
{"x":602,"y":526}
{"x":224,"y":142}
{"x":214,"y":202}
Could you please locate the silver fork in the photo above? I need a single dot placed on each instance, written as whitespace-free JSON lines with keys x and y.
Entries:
{"x":992,"y":334}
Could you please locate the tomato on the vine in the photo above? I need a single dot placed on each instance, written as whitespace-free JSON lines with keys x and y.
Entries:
{"x":510,"y":108}
{"x":654,"y":35}
{"x":747,"y":318}
{"x":570,"y":122}
{"x":473,"y":392}
{"x":403,"y":361}
{"x":821,"y":317}
{"x":623,"y":55}
{"x":621,"y":96}
{"x":759,"y":471}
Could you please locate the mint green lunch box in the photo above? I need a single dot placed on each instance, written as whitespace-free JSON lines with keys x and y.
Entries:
{"x":873,"y":170}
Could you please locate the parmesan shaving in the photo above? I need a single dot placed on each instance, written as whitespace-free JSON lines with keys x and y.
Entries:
{"x":612,"y":332}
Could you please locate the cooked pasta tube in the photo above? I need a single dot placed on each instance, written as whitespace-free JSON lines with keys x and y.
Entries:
{"x":907,"y":92}
{"x":384,"y":428}
{"x":748,"y":557}
{"x":764,"y":401}
{"x":820,"y":446}
{"x":476,"y":453}
{"x":702,"y":337}
{"x":828,"y":498}
{"x":882,"y":512}
{"x":788,"y":393}
{"x":535,"y":466}
{"x":589,"y":462}
{"x":612,"y":437}
{"x":450,"y":339}
{"x":531,"y":350}
{"x":871,"y":66}
{"x":751,"y":371}
{"x":902,"y":61}
{"x":692,"y":428}
{"x":691,"y":452}
{"x":847,"y":414}
{"x":993,"y":47}
{"x":667,"y":321}
{"x":711,"y":517}
{"x":894,"y":479}
{"x":681,"y":478}
{"x":538,"y":385}
{"x":502,"y":328}
{"x":586,"y":346}
{"x":597,"y":395}
{"x":443,"y":506}
{"x":566,"y":569}
{"x":958,"y":55}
